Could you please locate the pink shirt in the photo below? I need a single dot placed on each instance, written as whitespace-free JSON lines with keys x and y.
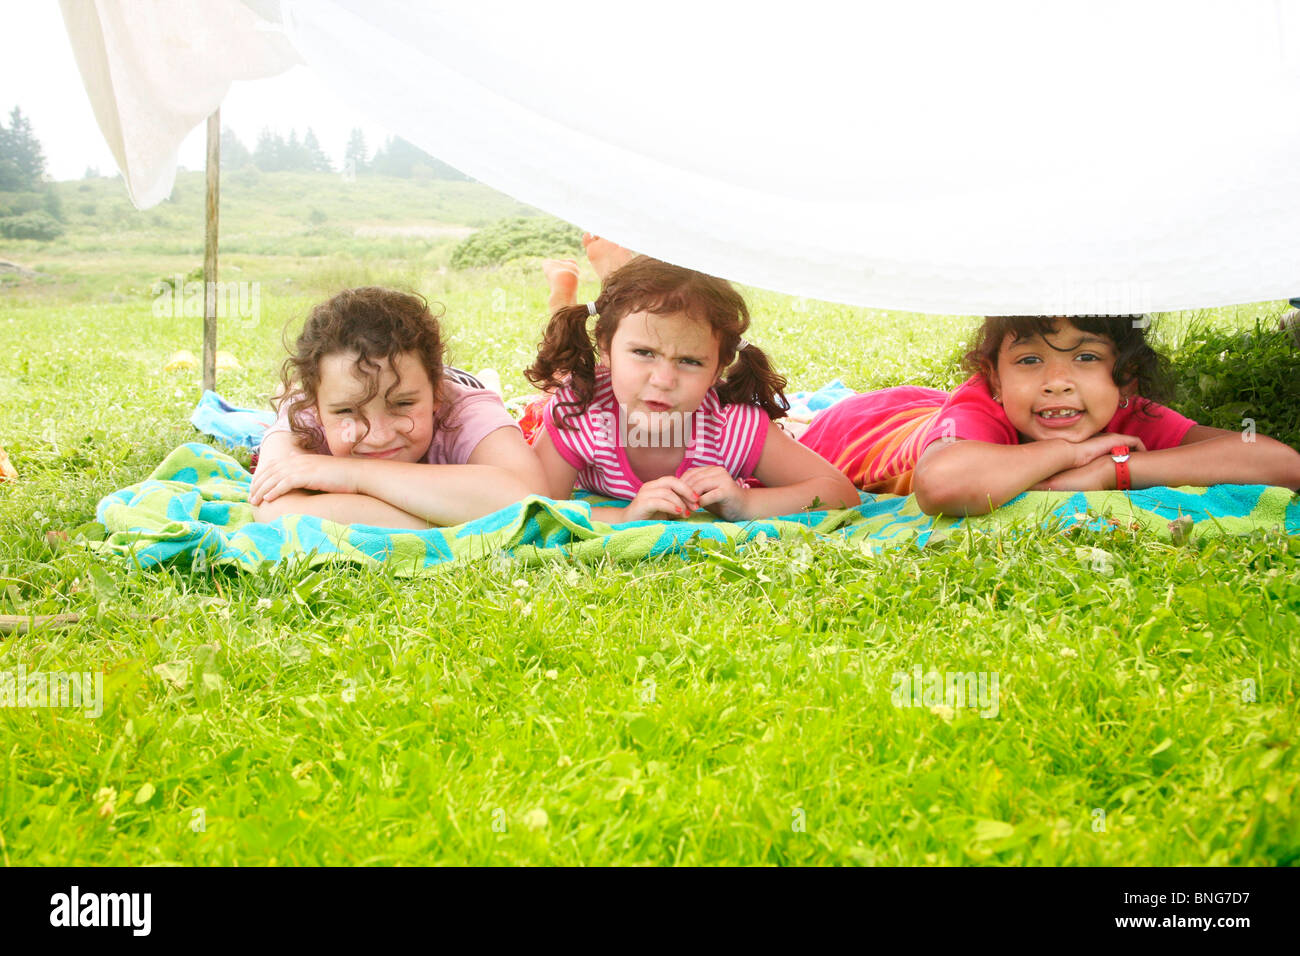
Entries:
{"x":728,"y":436}
{"x":876,"y":438}
{"x":476,"y":411}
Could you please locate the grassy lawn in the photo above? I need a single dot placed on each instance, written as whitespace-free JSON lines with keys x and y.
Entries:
{"x":664,"y":712}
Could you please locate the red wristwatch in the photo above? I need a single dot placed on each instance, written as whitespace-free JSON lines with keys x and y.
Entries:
{"x":1119,"y":455}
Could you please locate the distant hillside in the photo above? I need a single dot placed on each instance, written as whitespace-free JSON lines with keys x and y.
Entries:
{"x":255,"y":204}
{"x":288,"y":230}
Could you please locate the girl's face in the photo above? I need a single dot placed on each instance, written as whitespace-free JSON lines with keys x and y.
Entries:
{"x":401,"y":422}
{"x":661,"y":363}
{"x":1059,"y":388}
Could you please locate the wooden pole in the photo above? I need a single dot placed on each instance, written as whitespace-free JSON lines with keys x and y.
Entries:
{"x":211,"y":208}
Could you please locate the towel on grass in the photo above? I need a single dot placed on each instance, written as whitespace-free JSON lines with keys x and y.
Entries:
{"x":196,"y":504}
{"x":805,"y":405}
{"x":235,"y":427}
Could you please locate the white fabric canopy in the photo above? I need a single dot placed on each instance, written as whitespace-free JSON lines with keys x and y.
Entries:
{"x":992,"y":158}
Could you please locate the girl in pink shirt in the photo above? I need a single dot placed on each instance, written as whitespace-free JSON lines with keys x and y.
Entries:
{"x":1054,"y":404}
{"x":677,"y":414}
{"x":374,"y":429}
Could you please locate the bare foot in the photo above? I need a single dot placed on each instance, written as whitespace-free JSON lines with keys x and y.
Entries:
{"x":562,"y":278}
{"x":604,"y":255}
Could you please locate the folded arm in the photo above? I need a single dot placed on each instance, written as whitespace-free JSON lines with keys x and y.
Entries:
{"x":1213,"y":456}
{"x":501,"y":470}
{"x":973,"y":477}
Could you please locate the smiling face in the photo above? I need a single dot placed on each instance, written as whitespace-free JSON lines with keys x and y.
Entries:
{"x":661,"y":363}
{"x":1058,"y":386}
{"x":400,"y":421}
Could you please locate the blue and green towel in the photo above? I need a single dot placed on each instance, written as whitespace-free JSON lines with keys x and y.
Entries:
{"x":195,"y":506}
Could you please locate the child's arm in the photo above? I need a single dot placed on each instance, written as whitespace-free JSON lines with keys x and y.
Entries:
{"x":501,"y":470}
{"x":343,"y":508}
{"x":1207,"y":456}
{"x":794,"y":476}
{"x":967,"y":477}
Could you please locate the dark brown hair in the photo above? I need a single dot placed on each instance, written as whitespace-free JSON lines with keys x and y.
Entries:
{"x":567,"y":353}
{"x":1135,"y":359}
{"x":376,"y":324}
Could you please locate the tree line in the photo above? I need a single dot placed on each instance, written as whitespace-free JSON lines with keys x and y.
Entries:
{"x":274,"y":152}
{"x":30,"y":207}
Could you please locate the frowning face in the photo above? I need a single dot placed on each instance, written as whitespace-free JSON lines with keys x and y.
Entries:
{"x":661,"y":364}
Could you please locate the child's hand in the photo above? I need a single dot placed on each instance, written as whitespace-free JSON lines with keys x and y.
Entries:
{"x":663,"y":498}
{"x":562,"y":279}
{"x":718,"y":491}
{"x":1097,"y":475}
{"x":307,"y":472}
{"x":1098,"y":445}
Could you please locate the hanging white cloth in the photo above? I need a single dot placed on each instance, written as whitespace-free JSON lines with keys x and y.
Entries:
{"x":155,"y":69}
{"x":993,"y":158}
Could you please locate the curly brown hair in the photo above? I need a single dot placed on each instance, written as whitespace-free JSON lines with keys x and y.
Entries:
{"x":1135,"y":358}
{"x":567,"y":353}
{"x":375,"y":324}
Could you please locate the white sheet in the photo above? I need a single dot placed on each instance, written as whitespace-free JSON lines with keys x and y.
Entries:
{"x":1001,"y":157}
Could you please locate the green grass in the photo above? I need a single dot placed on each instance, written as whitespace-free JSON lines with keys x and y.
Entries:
{"x":667,"y":712}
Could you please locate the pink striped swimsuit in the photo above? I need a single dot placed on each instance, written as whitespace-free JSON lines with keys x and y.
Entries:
{"x":729,"y":436}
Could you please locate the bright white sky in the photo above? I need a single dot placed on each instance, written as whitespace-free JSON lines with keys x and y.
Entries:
{"x":39,"y":74}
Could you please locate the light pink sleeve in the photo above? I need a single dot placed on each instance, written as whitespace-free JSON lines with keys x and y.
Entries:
{"x":477,"y":413}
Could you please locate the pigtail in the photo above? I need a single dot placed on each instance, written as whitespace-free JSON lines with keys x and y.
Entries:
{"x":566,"y":357}
{"x":751,"y":380}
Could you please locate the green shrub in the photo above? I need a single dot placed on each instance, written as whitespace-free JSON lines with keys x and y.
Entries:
{"x":1223,"y":377}
{"x":194,"y":275}
{"x":52,"y":203}
{"x":16,"y":204}
{"x":516,"y":238}
{"x":32,"y":225}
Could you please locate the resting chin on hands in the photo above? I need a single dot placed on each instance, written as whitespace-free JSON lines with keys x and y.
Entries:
{"x":1094,"y":468}
{"x":718,"y":491}
{"x":663,"y":498}
{"x":1100,"y":445}
{"x":324,"y":473}
{"x":1097,"y":475}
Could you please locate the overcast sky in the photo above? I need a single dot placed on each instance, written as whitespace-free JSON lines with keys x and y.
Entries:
{"x":39,"y":74}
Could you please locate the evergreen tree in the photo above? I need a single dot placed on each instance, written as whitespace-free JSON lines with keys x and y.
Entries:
{"x":354,"y":157}
{"x":22,"y":162}
{"x":234,"y":154}
{"x":268,"y":155}
{"x":293,"y":153}
{"x":26,"y":148}
{"x":406,"y":160}
{"x":317,"y":161}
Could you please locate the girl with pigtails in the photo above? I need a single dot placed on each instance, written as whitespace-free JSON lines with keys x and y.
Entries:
{"x":665,"y":405}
